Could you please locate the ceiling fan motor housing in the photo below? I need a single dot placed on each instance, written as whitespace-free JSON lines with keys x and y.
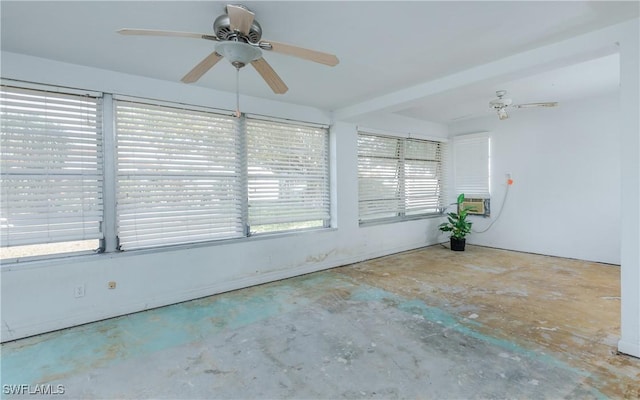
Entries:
{"x":500,"y":103}
{"x":223,"y":31}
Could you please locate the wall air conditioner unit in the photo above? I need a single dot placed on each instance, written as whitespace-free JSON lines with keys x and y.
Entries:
{"x":480,"y":206}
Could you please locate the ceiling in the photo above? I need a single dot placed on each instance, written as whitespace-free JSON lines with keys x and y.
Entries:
{"x":576,"y":81}
{"x":382,"y":46}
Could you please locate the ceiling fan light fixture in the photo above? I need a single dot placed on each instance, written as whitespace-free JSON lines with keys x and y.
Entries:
{"x":502,"y":114}
{"x":239,"y":54}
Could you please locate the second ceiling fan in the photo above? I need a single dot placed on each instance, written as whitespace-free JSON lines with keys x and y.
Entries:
{"x":500,"y":104}
{"x":239,"y":39}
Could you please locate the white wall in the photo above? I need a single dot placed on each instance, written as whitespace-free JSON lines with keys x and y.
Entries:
{"x":630,"y":159}
{"x":565,"y":163}
{"x":38,"y":296}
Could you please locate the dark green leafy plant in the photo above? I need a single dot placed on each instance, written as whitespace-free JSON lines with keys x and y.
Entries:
{"x":457,"y":221}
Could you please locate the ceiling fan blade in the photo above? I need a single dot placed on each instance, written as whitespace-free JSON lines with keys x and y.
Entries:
{"x":240,"y":18}
{"x":531,"y":105}
{"x":269,"y":75}
{"x":295,"y":51}
{"x":151,"y":32}
{"x":202,"y":67}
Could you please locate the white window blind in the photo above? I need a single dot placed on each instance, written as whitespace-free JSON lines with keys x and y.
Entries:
{"x":472,"y":165}
{"x":423,"y":172}
{"x":179,"y":176}
{"x":51,"y":167}
{"x":288,"y":176}
{"x":399,"y":178}
{"x":380,"y":193}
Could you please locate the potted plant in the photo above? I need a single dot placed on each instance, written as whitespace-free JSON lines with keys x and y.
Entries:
{"x":458,"y":225}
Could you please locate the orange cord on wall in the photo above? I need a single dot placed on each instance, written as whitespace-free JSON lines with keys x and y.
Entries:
{"x":504,"y":201}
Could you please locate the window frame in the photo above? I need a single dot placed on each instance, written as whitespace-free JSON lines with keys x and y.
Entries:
{"x":186,"y":165}
{"x":312,"y":167}
{"x":401,"y":175}
{"x":476,"y":184}
{"x":85,"y":148}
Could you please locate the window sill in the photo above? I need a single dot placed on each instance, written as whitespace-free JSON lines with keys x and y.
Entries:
{"x":90,"y":256}
{"x":396,"y":220}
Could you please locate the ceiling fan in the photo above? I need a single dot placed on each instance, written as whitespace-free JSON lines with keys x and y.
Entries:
{"x":501,"y":104}
{"x":239,"y":39}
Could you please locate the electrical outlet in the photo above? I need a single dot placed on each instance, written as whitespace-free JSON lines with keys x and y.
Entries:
{"x":111,"y":285}
{"x":78,"y":291}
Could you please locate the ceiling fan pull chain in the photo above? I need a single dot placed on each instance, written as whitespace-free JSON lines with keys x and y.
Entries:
{"x":238,"y":93}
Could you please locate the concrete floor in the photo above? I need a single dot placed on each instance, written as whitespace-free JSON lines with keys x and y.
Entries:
{"x":429,"y":323}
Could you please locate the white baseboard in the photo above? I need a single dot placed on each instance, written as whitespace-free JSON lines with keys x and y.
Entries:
{"x":630,"y":348}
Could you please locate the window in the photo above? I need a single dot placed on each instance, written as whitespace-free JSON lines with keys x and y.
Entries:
{"x":423,"y":171}
{"x":176,"y":174}
{"x":399,"y":178}
{"x":288,"y":176}
{"x":179,"y":176}
{"x":51,"y":172}
{"x":187,"y":175}
{"x":472,"y":165}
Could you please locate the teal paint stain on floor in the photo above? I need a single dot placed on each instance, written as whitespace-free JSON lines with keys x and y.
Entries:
{"x":51,"y":356}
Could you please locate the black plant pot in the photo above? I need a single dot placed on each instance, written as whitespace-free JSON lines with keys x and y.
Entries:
{"x":458,"y":244}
